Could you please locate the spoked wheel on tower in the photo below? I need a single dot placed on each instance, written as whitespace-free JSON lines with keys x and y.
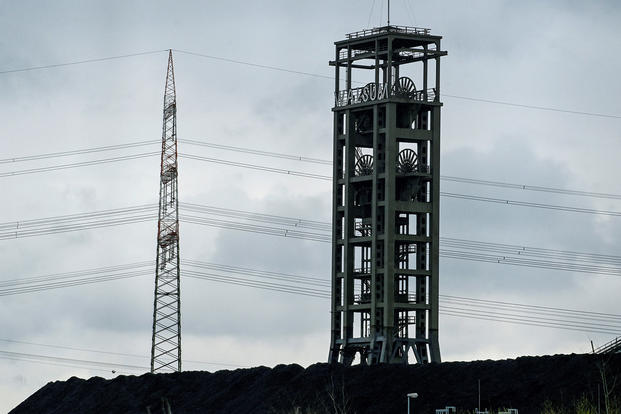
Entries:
{"x":404,"y":87}
{"x":407,"y":161}
{"x":364,"y":165}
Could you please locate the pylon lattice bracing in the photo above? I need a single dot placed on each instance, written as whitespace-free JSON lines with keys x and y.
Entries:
{"x":166,"y":339}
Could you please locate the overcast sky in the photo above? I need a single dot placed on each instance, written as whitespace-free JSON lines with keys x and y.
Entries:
{"x":562,"y":54}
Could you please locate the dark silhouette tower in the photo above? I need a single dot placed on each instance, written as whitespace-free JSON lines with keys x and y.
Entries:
{"x":386,"y":190}
{"x":166,"y":339}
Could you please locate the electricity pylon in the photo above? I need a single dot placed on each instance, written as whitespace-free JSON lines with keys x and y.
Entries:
{"x":166,"y":339}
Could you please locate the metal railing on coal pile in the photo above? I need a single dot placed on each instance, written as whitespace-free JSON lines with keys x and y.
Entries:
{"x":611,"y":347}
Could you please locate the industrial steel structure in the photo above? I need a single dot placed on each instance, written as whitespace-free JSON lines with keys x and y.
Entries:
{"x":166,"y":339}
{"x":386,"y":187}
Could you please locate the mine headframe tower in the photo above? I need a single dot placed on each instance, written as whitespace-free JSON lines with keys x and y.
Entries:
{"x":166,"y":335}
{"x":386,"y":188}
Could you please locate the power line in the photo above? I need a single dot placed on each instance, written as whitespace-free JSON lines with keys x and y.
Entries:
{"x":442,"y":194}
{"x":22,"y":224}
{"x":530,"y":318}
{"x":490,"y":101}
{"x":507,"y":306}
{"x":276,"y":287}
{"x":281,"y":69}
{"x":612,"y":321}
{"x":56,"y":364}
{"x":258,"y":229}
{"x":256,"y":65}
{"x":463,"y":249}
{"x":71,"y":283}
{"x":77,"y":152}
{"x":279,"y":276}
{"x":97,"y":351}
{"x":256,"y":152}
{"x":471,"y":248}
{"x":77,"y":164}
{"x":329,"y":178}
{"x":540,"y":108}
{"x":588,"y":322}
{"x":444,"y":253}
{"x":538,"y":264}
{"x":100,"y":365}
{"x":257,"y":167}
{"x":531,"y":205}
{"x":522,"y":250}
{"x":527,"y":187}
{"x":80,"y":62}
{"x":572,"y":312}
{"x":75,"y":222}
{"x":75,"y":274}
{"x":86,"y":362}
{"x":561,"y":318}
{"x":261,"y":217}
{"x":526,"y":319}
{"x":463,"y":180}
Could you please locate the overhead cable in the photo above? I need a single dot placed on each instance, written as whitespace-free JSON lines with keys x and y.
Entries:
{"x":298,"y":72}
{"x":99,"y":351}
{"x":490,"y":101}
{"x":302,"y":285}
{"x":283,"y":226}
{"x":80,"y":62}
{"x":450,"y":178}
{"x":77,"y":164}
{"x":81,"y":151}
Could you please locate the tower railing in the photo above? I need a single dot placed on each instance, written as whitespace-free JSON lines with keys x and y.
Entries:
{"x":387,"y":29}
{"x":358,"y":51}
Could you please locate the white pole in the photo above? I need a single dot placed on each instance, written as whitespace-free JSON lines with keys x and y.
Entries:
{"x":411,"y":395}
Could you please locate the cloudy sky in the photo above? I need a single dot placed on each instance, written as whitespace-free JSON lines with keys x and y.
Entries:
{"x":559,"y":55}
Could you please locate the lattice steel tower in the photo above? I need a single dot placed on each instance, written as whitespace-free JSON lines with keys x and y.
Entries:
{"x":166,"y":340}
{"x":386,"y":190}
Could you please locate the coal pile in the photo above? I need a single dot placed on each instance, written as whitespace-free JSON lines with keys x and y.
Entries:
{"x":527,"y":383}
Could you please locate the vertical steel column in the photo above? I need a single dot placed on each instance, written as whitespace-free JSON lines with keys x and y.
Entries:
{"x":166,"y":336}
{"x":434,"y":288}
{"x":337,"y":227}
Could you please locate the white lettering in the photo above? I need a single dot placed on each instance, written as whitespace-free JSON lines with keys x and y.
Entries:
{"x":373,"y":94}
{"x":368,"y":93}
{"x":350,"y":97}
{"x":383,"y":93}
{"x":365,"y":93}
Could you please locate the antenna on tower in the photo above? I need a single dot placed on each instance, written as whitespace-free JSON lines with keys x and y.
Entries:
{"x":388,"y":12}
{"x":166,"y":338}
